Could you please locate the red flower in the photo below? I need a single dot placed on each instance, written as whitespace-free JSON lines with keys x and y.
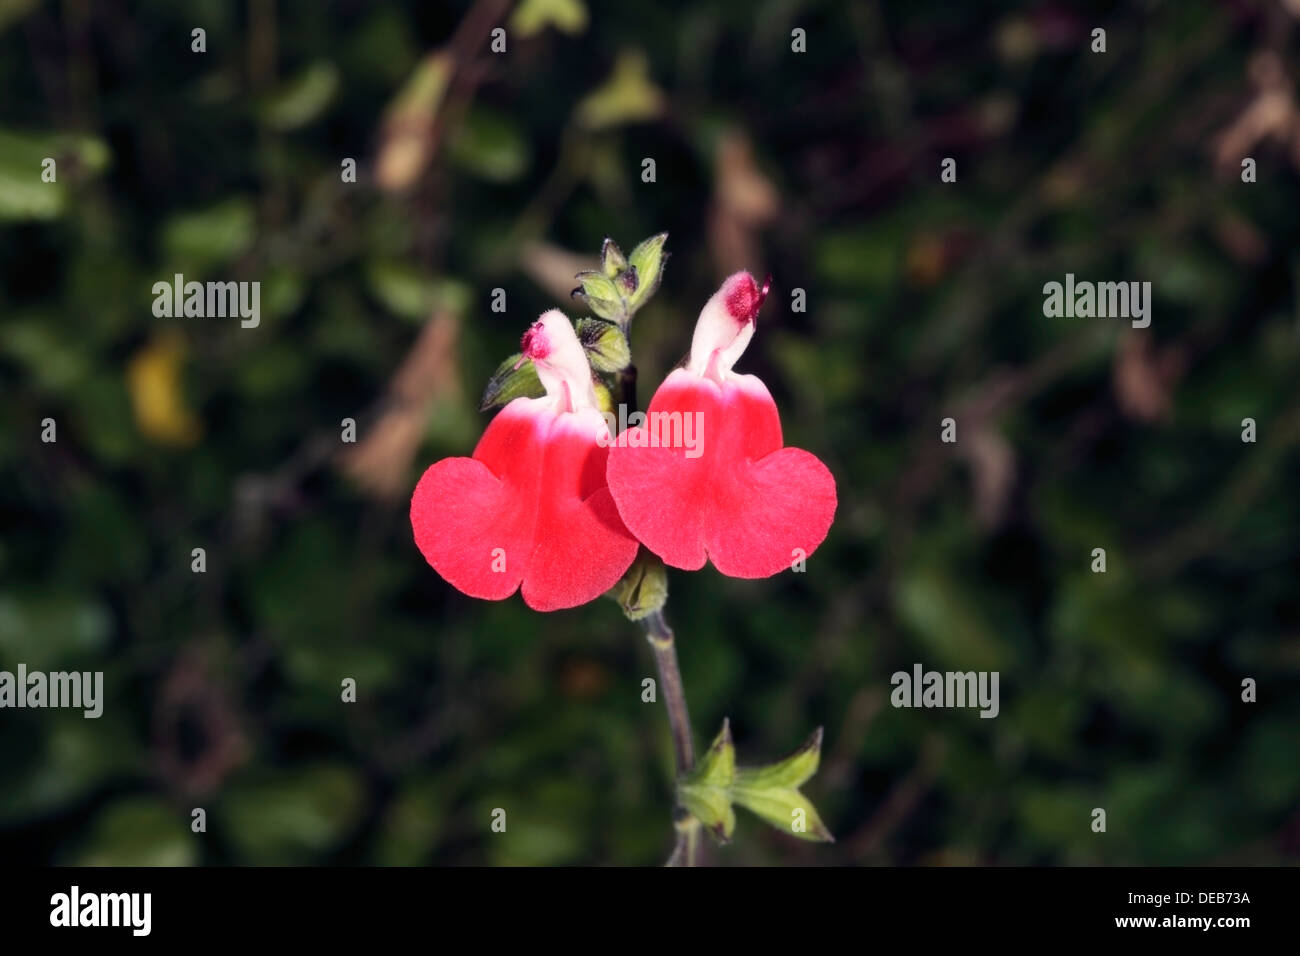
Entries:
{"x":737,"y":498}
{"x":530,"y":507}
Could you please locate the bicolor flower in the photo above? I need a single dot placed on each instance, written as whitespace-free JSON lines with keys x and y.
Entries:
{"x":744,"y":502}
{"x":530,"y":510}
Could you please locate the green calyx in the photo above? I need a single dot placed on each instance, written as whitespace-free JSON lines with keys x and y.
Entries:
{"x":623,"y":284}
{"x":643,"y":589}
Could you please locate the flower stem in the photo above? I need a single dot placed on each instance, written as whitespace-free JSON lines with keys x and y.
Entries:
{"x":660,"y":636}
{"x":686,"y":849}
{"x":661,"y":639}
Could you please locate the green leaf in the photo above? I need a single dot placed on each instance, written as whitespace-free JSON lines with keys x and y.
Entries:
{"x":648,"y":259}
{"x":23,"y":192}
{"x":791,"y":771}
{"x":51,"y":627}
{"x":771,"y":792}
{"x":601,"y":295}
{"x":786,"y":809}
{"x":712,"y":807}
{"x":717,"y":768}
{"x":412,"y":823}
{"x":605,"y":344}
{"x":949,"y":618}
{"x":706,"y":791}
{"x":407,"y":291}
{"x":75,"y":758}
{"x":11,"y":11}
{"x":302,"y":99}
{"x":210,"y":236}
{"x":294,"y":816}
{"x":140,"y":831}
{"x":508,"y":383}
{"x":533,"y":16}
{"x":628,"y":96}
{"x":490,"y":146}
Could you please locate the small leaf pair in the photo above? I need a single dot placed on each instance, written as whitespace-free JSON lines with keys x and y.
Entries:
{"x":771,"y":792}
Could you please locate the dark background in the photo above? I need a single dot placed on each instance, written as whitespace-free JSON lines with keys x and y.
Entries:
{"x":924,"y":300}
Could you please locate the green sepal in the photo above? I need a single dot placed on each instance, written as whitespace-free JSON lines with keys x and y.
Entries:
{"x":508,"y":383}
{"x":643,"y":589}
{"x":612,"y":260}
{"x":605,"y":344}
{"x":601,"y":295}
{"x":628,"y":282}
{"x":648,"y":259}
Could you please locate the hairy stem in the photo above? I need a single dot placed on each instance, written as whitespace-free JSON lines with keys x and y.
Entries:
{"x":686,"y":849}
{"x":660,"y":636}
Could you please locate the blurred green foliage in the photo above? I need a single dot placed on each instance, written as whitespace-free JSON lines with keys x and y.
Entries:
{"x":478,"y":171}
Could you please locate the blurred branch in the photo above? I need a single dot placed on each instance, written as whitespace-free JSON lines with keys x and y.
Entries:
{"x":381,"y":462}
{"x":1171,"y":553}
{"x":902,"y":802}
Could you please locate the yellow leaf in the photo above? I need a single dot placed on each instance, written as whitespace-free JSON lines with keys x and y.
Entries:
{"x":533,"y":16}
{"x":153,"y":379}
{"x":407,"y":137}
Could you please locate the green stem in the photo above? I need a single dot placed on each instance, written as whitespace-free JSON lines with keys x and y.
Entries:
{"x":661,"y":639}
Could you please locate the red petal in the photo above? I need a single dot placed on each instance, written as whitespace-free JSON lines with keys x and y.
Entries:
{"x":530,"y":507}
{"x":789,"y":502}
{"x":746,"y":503}
{"x":582,"y":547}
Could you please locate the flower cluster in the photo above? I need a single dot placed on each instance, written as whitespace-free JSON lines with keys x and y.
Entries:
{"x":551,"y":505}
